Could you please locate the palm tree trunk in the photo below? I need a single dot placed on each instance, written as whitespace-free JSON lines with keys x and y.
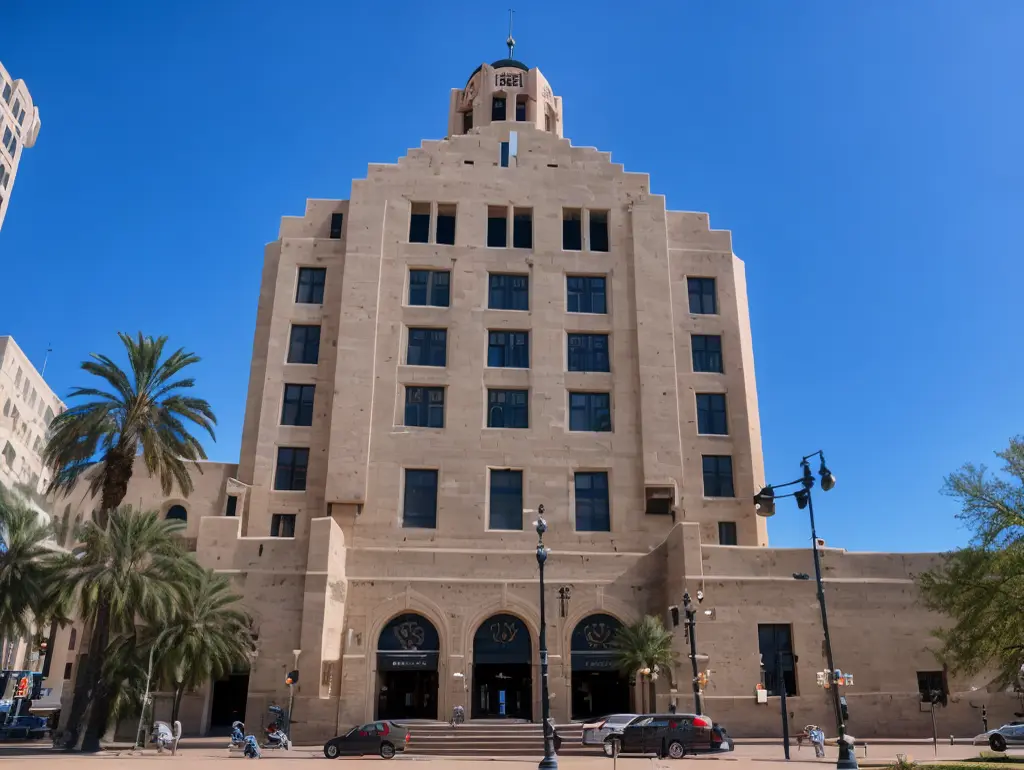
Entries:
{"x":85,"y":682}
{"x":117,"y":474}
{"x":179,"y":691}
{"x":99,"y":695}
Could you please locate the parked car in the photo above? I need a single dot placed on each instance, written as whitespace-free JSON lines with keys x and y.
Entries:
{"x":669,"y":735}
{"x":1011,"y":734}
{"x":595,"y":732}
{"x":383,"y":738}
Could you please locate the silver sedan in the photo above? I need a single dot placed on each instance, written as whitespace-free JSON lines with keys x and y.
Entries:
{"x":1007,"y":735}
{"x":595,"y":732}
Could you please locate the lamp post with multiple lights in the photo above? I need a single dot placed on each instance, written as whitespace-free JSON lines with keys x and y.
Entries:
{"x":765,"y":504}
{"x":550,"y":758}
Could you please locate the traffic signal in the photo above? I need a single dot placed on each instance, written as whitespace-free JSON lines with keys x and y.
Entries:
{"x":43,"y":647}
{"x":21,"y":691}
{"x":292,"y":678}
{"x":844,"y":710}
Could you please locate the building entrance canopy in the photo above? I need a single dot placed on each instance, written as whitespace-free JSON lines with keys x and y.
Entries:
{"x":592,"y":643}
{"x":502,"y":639}
{"x":408,"y":643}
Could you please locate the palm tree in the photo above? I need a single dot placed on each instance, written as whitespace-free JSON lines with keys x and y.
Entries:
{"x":124,"y":571}
{"x":207,"y":636}
{"x":145,"y":411}
{"x":29,"y":564}
{"x":644,"y":646}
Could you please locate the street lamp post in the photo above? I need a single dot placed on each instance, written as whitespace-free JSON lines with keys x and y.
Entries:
{"x":550,"y":758}
{"x":691,"y":616}
{"x":765,"y":502}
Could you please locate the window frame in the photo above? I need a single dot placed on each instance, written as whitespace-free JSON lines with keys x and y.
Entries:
{"x":495,"y":99}
{"x":429,"y":349}
{"x":432,"y":287}
{"x":709,"y":416}
{"x":588,"y":294}
{"x":509,"y":473}
{"x":406,"y":520}
{"x":505,"y":409}
{"x":425,"y":407}
{"x":292,"y":469}
{"x":771,"y":671}
{"x":701,"y":294}
{"x":705,"y":354}
{"x":718,"y":476}
{"x":312,"y":285}
{"x":416,"y":223}
{"x":591,"y":411}
{"x":586,"y":357}
{"x":282,"y":521}
{"x":337,"y":225}
{"x":298,"y":403}
{"x":593,"y":235}
{"x":305,"y":343}
{"x":446,"y":211}
{"x":508,"y":293}
{"x":522,"y":223}
{"x":492,"y":229}
{"x":568,"y":217}
{"x":577,"y":498}
{"x":731,"y":532}
{"x":508,"y":349}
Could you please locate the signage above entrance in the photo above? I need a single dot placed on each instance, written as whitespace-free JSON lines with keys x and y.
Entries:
{"x":407,"y":661}
{"x":502,"y":639}
{"x":593,"y":643}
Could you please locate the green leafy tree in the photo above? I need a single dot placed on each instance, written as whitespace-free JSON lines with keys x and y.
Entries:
{"x":643,"y":645}
{"x":144,"y":411}
{"x":29,"y":570}
{"x":981,"y":587}
{"x":128,"y":570}
{"x":206,"y":637}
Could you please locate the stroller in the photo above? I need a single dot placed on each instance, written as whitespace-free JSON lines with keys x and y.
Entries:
{"x":251,"y":749}
{"x":165,"y":738}
{"x":458,"y":716}
{"x":277,"y":738}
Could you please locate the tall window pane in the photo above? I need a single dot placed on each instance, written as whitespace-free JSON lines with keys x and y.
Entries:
{"x":588,"y":353}
{"x":590,"y":412}
{"x":718,"y":476}
{"x":428,"y":347}
{"x":522,"y":228}
{"x":508,"y":409}
{"x":429,"y":287}
{"x":292,"y":464}
{"x":508,"y":350}
{"x":508,"y":292}
{"x":304,"y":345}
{"x":572,"y":229}
{"x":599,"y":231}
{"x":703,"y":299}
{"x":297,"y":408}
{"x":707,"y":353}
{"x":311,"y":285}
{"x":424,"y":407}
{"x":506,"y":500}
{"x":419,"y":223}
{"x":592,"y":509}
{"x":419,"y":509}
{"x":711,"y":418}
{"x":775,"y":643}
{"x":586,"y":294}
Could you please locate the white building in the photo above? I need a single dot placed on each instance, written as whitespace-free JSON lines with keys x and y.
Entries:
{"x":19,"y":127}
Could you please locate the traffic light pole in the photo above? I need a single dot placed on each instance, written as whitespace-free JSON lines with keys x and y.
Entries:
{"x":781,"y":679}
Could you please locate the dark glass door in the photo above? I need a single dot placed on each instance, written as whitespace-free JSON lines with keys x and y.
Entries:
{"x":502,"y":691}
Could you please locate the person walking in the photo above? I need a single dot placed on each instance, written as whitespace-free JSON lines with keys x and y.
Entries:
{"x":817,"y":736}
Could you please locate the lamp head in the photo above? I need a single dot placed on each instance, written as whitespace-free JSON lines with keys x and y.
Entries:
{"x":802,"y":497}
{"x":764,"y":502}
{"x":700,"y":596}
{"x":540,"y":525}
{"x":828,"y":481}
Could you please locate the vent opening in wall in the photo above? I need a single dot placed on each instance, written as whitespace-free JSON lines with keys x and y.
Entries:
{"x":660,"y":500}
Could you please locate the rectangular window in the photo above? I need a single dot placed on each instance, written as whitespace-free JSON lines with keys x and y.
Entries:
{"x":419,"y":223}
{"x":8,"y":140}
{"x":232,"y":508}
{"x":498,"y":108}
{"x":727,"y":533}
{"x":428,"y":347}
{"x":508,"y":409}
{"x":707,"y":352}
{"x":590,"y":412}
{"x":7,"y":92}
{"x":717,"y":476}
{"x":292,"y":463}
{"x":522,"y":228}
{"x":588,"y":353}
{"x":17,"y":107}
{"x":304,"y":345}
{"x":67,"y":670}
{"x":703,"y":300}
{"x":467,"y":121}
{"x":508,"y":292}
{"x":592,"y":510}
{"x":599,"y":231}
{"x":337,"y":220}
{"x":298,"y":405}
{"x":586,"y":294}
{"x":711,"y":418}
{"x":521,"y":107}
{"x":508,"y":350}
{"x":504,"y":154}
{"x":506,"y":500}
{"x":929,"y":682}
{"x":497,"y":227}
{"x":419,"y":509}
{"x":310,"y":290}
{"x":775,"y":643}
{"x":430,"y":287}
{"x":424,"y":407}
{"x":445,"y":225}
{"x":282,"y":525}
{"x":572,"y":229}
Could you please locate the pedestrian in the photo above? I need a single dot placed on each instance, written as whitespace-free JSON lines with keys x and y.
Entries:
{"x":817,"y":736}
{"x":672,"y":708}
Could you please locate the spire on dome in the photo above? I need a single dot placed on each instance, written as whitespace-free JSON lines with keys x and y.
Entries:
{"x":511,"y":41}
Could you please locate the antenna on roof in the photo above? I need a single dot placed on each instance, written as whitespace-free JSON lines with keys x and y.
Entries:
{"x":49,"y":349}
{"x":511,"y":42}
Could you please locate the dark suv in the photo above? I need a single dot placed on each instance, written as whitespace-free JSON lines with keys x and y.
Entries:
{"x":670,"y":735}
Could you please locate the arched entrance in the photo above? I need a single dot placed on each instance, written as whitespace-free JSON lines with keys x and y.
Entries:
{"x":407,"y":654}
{"x":502,"y":671}
{"x":598,"y":687}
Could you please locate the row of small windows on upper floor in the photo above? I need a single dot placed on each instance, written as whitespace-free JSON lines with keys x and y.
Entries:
{"x":509,"y":225}
{"x":5,"y":175}
{"x":506,"y":349}
{"x":17,"y":111}
{"x":9,"y":141}
{"x":505,"y":492}
{"x":508,"y":291}
{"x":499,"y":112}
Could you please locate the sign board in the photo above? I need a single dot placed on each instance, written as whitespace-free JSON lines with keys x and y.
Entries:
{"x":407,"y":661}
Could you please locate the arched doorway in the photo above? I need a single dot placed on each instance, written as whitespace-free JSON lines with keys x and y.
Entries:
{"x":407,"y":653}
{"x":502,"y":671}
{"x":598,"y":687}
{"x":177,"y":513}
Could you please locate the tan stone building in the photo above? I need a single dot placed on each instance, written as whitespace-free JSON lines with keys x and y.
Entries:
{"x":19,"y":127}
{"x":500,"y":321}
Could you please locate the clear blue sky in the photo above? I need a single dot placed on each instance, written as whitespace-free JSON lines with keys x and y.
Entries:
{"x":866,"y":155}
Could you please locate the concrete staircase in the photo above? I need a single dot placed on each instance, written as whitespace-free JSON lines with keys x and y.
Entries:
{"x":490,"y":738}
